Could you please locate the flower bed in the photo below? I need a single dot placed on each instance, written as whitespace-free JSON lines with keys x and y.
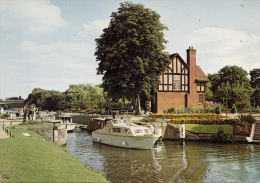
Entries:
{"x":194,"y":118}
{"x":242,"y":128}
{"x":219,"y":121}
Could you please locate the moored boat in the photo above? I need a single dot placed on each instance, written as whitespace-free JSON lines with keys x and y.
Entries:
{"x":122,"y":133}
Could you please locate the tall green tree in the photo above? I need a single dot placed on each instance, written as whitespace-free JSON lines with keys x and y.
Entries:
{"x":231,"y":85}
{"x":130,"y":53}
{"x":224,"y":92}
{"x":255,"y":82}
{"x":52,"y":101}
{"x":209,"y":93}
{"x":47,"y":99}
{"x":85,"y":97}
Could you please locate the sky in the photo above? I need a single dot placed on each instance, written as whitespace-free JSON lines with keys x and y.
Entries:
{"x":50,"y":44}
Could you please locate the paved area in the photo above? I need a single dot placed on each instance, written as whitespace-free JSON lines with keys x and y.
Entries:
{"x":6,"y":123}
{"x":2,"y":133}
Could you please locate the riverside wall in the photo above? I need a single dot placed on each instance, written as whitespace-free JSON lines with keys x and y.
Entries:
{"x":172,"y":133}
{"x":55,"y":133}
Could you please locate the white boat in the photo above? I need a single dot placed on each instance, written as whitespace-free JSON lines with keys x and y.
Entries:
{"x":122,"y":133}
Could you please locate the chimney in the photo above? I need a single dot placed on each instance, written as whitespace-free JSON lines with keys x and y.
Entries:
{"x":191,"y":61}
{"x":191,"y":57}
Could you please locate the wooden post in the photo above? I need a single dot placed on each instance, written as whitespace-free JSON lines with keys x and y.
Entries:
{"x":182,"y":134}
{"x":55,"y":133}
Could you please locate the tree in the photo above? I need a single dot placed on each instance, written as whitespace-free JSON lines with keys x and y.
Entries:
{"x":53,"y":100}
{"x":255,"y":82}
{"x":231,"y":86}
{"x":214,"y":82}
{"x":85,"y":97}
{"x":47,"y":99}
{"x":209,"y":93}
{"x":130,"y":53}
{"x":224,"y":92}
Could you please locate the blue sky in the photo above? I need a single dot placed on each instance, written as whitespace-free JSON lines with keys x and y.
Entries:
{"x":50,"y":44}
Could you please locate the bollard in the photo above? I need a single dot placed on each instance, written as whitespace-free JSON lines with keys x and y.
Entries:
{"x":6,"y":130}
{"x":182,"y":134}
{"x":11,"y":134}
{"x":55,"y":133}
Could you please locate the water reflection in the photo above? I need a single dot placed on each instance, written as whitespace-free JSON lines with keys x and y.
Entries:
{"x":170,"y":161}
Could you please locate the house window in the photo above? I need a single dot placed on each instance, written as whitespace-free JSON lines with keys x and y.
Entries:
{"x":200,"y":98}
{"x":176,"y":82}
{"x":201,"y":87}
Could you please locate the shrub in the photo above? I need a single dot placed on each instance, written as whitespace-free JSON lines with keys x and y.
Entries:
{"x":241,"y":127}
{"x":1,"y":116}
{"x":218,"y":109}
{"x":170,"y":110}
{"x":221,"y":136}
{"x":234,"y":109}
{"x":31,"y":123}
{"x":247,"y":118}
{"x":189,"y":110}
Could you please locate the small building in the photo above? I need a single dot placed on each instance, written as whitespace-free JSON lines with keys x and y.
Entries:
{"x":182,"y":84}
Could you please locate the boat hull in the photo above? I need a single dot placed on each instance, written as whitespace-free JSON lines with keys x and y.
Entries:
{"x":135,"y":142}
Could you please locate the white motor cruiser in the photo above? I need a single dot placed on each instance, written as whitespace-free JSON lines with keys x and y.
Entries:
{"x":122,"y":133}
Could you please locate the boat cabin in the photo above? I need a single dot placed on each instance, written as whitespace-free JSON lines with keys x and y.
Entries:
{"x":124,"y":127}
{"x":95,"y":124}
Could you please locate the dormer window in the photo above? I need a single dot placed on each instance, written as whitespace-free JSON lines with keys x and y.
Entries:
{"x":200,"y":87}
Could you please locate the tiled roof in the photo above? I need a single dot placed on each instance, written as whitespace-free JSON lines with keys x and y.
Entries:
{"x":200,"y":75}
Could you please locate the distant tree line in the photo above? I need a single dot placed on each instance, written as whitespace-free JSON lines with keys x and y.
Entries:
{"x":234,"y":90}
{"x":81,"y":97}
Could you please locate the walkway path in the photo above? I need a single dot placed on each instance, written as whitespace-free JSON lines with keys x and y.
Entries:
{"x":2,"y":133}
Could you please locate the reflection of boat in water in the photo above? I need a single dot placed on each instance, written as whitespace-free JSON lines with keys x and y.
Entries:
{"x":122,"y":133}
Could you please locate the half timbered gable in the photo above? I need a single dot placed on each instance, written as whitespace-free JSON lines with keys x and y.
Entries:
{"x":175,"y":78}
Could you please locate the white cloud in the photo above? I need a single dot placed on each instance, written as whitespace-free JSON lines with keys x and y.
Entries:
{"x":30,"y":16}
{"x":97,"y":25}
{"x":219,"y":47}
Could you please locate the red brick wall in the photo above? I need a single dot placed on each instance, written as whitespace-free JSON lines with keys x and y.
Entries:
{"x":193,"y":100}
{"x":166,"y":100}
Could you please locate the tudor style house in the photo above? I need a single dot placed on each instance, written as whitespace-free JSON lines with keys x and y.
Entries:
{"x":181,"y":85}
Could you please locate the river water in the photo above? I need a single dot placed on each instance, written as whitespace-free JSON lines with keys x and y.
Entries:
{"x":170,"y":161}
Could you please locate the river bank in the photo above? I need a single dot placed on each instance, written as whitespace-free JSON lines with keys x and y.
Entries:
{"x":35,"y":159}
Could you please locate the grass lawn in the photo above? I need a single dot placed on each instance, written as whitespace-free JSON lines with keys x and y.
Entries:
{"x":213,"y":129}
{"x":33,"y":159}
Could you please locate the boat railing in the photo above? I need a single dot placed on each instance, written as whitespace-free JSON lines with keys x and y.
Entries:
{"x":117,"y":121}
